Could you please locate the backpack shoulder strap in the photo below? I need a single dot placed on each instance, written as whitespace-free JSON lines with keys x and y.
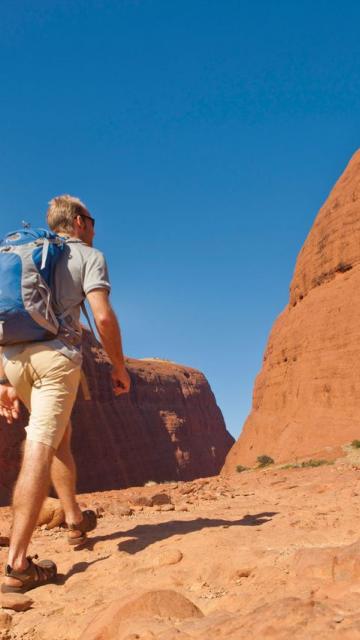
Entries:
{"x":85,"y":312}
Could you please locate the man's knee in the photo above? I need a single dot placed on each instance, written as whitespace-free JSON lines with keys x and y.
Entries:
{"x":37,"y":453}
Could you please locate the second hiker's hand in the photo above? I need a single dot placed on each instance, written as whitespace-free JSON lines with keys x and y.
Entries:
{"x":120,"y":380}
{"x":9,"y":403}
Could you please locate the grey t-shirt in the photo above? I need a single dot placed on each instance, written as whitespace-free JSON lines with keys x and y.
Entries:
{"x":81,"y":269}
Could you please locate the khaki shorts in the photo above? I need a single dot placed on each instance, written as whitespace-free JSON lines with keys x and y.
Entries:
{"x":47,"y":382}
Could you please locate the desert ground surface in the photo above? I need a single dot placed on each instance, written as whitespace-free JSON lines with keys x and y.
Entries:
{"x":267,"y":553}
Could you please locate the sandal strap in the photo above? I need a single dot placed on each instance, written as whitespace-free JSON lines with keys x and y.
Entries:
{"x":33,"y":572}
{"x":88,"y":522}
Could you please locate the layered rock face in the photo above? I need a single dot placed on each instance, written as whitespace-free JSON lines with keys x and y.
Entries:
{"x":168,"y":427}
{"x":306,"y":399}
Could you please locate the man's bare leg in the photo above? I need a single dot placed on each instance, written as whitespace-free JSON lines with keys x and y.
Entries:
{"x":29,"y":494}
{"x":63,"y":476}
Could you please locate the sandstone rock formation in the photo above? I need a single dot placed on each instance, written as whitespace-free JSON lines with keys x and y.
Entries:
{"x":307,"y":396}
{"x":168,"y":427}
{"x":51,"y":514}
{"x":162,"y":604}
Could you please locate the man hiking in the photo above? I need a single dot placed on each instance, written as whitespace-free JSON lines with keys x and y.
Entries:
{"x":45,"y":376}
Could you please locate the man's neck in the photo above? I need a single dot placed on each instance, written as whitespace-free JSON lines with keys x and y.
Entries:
{"x":68,"y":236}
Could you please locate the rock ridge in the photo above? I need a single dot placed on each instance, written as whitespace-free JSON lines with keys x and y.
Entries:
{"x":332,"y":244}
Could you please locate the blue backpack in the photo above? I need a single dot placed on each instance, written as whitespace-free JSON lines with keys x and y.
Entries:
{"x":27,"y":261}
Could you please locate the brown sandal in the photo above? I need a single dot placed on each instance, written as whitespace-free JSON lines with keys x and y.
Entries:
{"x":35,"y":575}
{"x":88,"y":523}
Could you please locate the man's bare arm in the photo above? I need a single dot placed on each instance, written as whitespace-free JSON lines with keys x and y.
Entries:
{"x":110,"y":336}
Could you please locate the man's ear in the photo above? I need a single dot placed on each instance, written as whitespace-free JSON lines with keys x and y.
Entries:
{"x":79,"y":222}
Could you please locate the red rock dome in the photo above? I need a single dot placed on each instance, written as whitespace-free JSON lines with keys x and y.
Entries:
{"x":306,"y":397}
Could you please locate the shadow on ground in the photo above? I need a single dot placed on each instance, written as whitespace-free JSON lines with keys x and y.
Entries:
{"x":78,"y":567}
{"x":144,"y":535}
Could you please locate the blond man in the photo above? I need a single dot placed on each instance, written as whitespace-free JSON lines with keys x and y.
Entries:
{"x":45,"y":377}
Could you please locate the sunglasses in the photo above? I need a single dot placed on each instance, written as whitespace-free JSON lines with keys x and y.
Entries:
{"x":92,"y":220}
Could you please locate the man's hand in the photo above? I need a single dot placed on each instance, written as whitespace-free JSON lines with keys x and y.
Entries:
{"x":120,"y":380}
{"x":9,"y":403}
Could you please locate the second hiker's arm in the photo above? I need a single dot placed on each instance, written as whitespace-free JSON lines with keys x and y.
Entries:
{"x":9,"y":402}
{"x":110,"y":336}
{"x":2,"y":372}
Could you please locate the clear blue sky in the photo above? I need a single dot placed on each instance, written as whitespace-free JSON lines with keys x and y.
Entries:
{"x":203,"y":136}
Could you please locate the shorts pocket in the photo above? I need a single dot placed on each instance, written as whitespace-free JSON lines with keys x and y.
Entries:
{"x":14,"y":370}
{"x":50,"y":364}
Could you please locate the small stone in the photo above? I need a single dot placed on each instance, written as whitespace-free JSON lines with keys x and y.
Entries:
{"x":338,"y":619}
{"x":243,"y":573}
{"x":167,"y":507}
{"x":123,"y":510}
{"x":15,"y":601}
{"x":187,"y":489}
{"x":170,"y":556}
{"x":141,"y":501}
{"x":161,"y":498}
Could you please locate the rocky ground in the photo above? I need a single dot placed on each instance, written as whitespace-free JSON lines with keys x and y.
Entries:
{"x":271,"y":553}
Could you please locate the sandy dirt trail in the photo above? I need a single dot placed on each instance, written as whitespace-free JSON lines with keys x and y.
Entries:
{"x":272,"y":553}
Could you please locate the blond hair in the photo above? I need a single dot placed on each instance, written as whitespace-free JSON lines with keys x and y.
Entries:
{"x":61,"y":213}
